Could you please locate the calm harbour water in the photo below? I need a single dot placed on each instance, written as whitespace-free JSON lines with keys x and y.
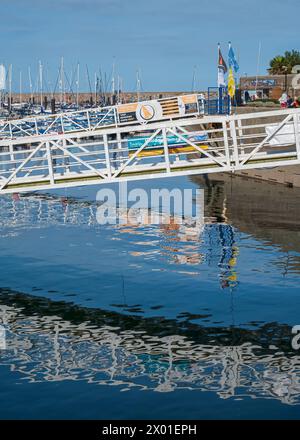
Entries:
{"x":151,"y":321}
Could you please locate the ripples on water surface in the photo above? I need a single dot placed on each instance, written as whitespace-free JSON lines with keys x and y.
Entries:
{"x":153,"y":321}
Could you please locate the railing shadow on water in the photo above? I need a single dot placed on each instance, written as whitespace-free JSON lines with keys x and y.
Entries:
{"x":55,"y":341}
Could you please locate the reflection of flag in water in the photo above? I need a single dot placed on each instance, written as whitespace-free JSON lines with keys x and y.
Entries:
{"x":222,"y":69}
{"x":231,"y":83}
{"x":228,"y":259}
{"x":226,"y":235}
{"x":222,"y":252}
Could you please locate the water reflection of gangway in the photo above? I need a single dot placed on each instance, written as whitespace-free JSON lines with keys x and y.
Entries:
{"x":184,"y":242}
{"x":270,"y":213}
{"x":95,"y":146}
{"x":106,"y":348}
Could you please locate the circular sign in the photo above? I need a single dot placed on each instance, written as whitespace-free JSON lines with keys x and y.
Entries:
{"x":147,"y":112}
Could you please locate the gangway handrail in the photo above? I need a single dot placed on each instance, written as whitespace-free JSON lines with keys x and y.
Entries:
{"x":98,"y":117}
{"x":174,"y":146}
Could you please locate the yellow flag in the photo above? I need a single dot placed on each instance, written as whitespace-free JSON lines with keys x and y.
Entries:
{"x":231,"y":83}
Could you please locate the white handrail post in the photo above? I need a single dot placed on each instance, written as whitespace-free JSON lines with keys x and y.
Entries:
{"x":107,"y":158}
{"x":119,"y":140}
{"x":296,"y":130}
{"x":50,"y":164}
{"x":88,"y":119}
{"x":240,"y":128}
{"x":11,"y":151}
{"x":119,"y":148}
{"x":234,"y":143}
{"x":66,"y":157}
{"x":226,"y":143}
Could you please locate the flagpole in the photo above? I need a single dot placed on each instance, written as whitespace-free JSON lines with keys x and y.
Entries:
{"x":258,"y":67}
{"x":219,"y":85}
{"x":219,"y":49}
{"x":231,"y":67}
{"x":229,"y":64}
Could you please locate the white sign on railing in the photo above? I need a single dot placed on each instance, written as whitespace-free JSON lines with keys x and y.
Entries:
{"x":158,"y":109}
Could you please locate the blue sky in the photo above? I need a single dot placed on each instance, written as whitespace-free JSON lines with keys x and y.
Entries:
{"x":164,"y":38}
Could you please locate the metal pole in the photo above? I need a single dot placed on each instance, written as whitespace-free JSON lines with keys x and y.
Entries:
{"x":20,"y":96}
{"x":95,"y":87}
{"x":118,"y":91}
{"x":30,"y":83}
{"x":77,"y":86}
{"x":10,"y":84}
{"x":258,"y":66}
{"x":138,"y":85}
{"x":41,"y":82}
{"x":113,"y":81}
{"x":194,"y":80}
{"x":61,"y":81}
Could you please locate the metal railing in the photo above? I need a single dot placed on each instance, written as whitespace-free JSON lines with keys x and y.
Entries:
{"x":94,"y":119}
{"x":183,"y":146}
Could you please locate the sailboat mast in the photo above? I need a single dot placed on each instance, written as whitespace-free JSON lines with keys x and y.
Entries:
{"x":121,"y":90}
{"x":118,"y":89}
{"x":113,"y":81}
{"x":20,"y":80}
{"x":77,"y":85}
{"x":41,"y":82}
{"x":89,"y":81}
{"x":138,"y":85}
{"x":62,"y":82}
{"x":258,"y":66}
{"x":95,"y":88}
{"x":101,"y":96}
{"x":10,"y":86}
{"x":30,"y":84}
{"x":194,"y":80}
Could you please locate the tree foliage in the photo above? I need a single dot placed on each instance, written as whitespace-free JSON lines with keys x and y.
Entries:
{"x":282,"y":64}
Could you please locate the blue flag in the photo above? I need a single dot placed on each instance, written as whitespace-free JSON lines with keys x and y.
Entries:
{"x":232,"y":60}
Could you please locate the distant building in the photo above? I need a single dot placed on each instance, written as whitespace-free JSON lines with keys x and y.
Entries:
{"x":269,"y":86}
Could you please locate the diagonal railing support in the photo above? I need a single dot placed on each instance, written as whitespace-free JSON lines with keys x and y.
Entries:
{"x":82,"y":162}
{"x":17,"y":170}
{"x":267,"y":139}
{"x":201,"y":150}
{"x":137,"y":152}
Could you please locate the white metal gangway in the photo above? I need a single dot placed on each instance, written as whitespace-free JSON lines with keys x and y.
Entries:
{"x":170,"y":144}
{"x":95,"y":119}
